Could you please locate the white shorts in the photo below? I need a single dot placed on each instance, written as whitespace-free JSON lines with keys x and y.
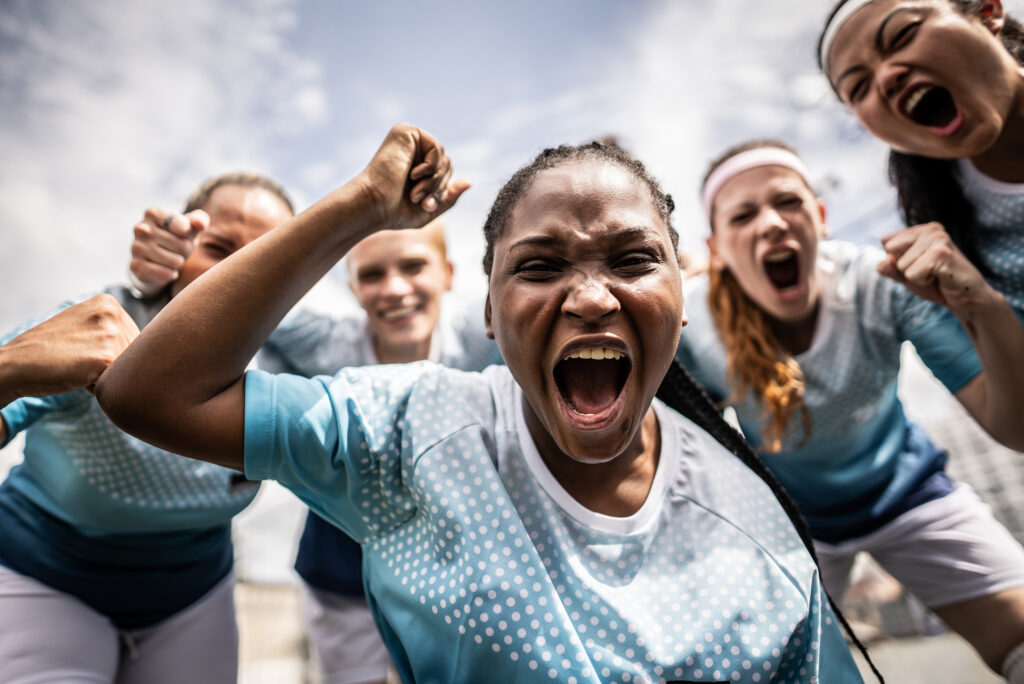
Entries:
{"x":49,"y":636}
{"x":345,"y":646}
{"x":944,"y":551}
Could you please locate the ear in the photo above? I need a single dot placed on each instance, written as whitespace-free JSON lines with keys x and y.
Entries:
{"x":993,"y":17}
{"x":487,"y":316}
{"x":823,"y":231}
{"x":715,"y":261}
{"x":449,"y":271}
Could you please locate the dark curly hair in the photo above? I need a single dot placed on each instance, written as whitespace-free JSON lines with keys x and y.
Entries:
{"x":521,"y":180}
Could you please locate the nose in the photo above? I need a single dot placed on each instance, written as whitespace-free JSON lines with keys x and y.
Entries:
{"x":771,"y":222}
{"x":395,"y":285}
{"x":890,"y":78}
{"x":590,"y":299}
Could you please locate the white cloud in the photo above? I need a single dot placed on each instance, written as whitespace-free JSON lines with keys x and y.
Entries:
{"x":111,"y":107}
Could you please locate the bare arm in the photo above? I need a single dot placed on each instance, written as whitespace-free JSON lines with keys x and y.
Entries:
{"x":180,"y":385}
{"x":66,"y":352}
{"x":925,"y":260}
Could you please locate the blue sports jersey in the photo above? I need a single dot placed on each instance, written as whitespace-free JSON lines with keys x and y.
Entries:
{"x":311,"y":344}
{"x":480,"y":567}
{"x":864,"y":462}
{"x":105,"y":517}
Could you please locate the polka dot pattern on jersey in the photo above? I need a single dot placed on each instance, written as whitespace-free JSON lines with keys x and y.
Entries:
{"x":999,"y":209}
{"x":476,"y":569}
{"x":106,"y":479}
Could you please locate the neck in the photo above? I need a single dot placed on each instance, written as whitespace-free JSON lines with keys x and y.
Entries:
{"x":795,"y":337}
{"x":408,"y":353}
{"x":618,"y":487}
{"x":1002,"y":160}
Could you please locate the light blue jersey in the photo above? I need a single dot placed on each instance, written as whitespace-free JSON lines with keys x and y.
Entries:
{"x":999,"y":211}
{"x":863,"y":458}
{"x":99,"y":514}
{"x":480,"y":567}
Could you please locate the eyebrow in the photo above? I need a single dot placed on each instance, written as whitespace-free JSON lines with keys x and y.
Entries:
{"x":879,"y":46}
{"x":624,"y":235}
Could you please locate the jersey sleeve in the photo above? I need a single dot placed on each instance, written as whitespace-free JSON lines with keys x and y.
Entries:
{"x":938,"y":337}
{"x":341,"y":444}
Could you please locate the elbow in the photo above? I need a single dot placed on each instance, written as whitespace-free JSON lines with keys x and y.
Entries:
{"x":118,"y":400}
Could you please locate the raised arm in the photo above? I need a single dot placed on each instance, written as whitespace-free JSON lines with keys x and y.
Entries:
{"x":927,"y":262}
{"x":66,"y":352}
{"x":180,"y":385}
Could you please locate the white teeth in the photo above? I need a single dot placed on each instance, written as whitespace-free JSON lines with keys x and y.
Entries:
{"x":596,"y":354}
{"x":776,"y":257}
{"x":398,"y":313}
{"x":915,"y":98}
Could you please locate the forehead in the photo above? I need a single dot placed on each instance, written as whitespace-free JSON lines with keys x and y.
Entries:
{"x":389,"y":246}
{"x":587,"y":194}
{"x":755,"y":184}
{"x":857,"y":35}
{"x":246,"y":204}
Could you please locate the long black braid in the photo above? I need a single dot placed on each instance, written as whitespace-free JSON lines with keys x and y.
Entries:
{"x":681,"y":392}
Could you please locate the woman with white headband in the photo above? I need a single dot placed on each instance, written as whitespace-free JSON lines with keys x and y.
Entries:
{"x":802,"y":337}
{"x":941,"y":82}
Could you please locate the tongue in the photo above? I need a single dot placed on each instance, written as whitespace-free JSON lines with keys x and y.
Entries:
{"x":589,"y":386}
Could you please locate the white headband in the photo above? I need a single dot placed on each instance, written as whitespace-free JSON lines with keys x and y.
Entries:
{"x":744,"y":161}
{"x":838,"y":19}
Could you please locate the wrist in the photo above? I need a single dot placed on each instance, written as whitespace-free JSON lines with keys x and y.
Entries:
{"x":8,"y":391}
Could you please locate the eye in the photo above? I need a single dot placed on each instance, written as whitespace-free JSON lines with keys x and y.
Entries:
{"x":218,"y":250}
{"x":636,"y":263}
{"x":789,"y":202}
{"x":858,"y":90}
{"x":371,"y":276}
{"x":742,"y":218}
{"x":412,"y":268}
{"x":903,"y":35}
{"x":536,"y":269}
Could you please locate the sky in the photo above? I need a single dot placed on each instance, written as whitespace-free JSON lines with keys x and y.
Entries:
{"x":107,"y":108}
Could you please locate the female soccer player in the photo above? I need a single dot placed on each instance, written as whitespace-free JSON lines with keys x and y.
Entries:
{"x":539,"y":522}
{"x":941,"y":82}
{"x":802,"y":336}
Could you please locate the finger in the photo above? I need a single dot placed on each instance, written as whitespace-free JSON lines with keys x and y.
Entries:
{"x":160,"y":246}
{"x":150,"y":273}
{"x":179,"y":225}
{"x":915,"y":251}
{"x":435,"y":183}
{"x":199,"y":221}
{"x":898,"y":243}
{"x":452,"y":194}
{"x":432,"y":156}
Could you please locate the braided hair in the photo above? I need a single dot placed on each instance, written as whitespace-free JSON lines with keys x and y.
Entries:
{"x":681,"y":392}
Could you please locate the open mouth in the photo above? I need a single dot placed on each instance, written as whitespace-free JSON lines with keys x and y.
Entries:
{"x":931,"y":106}
{"x":592,"y":380}
{"x":783,"y":269}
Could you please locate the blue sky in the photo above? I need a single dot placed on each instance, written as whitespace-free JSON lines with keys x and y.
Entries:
{"x":110,"y":107}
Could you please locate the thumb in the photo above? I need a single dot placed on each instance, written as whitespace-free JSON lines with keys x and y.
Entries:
{"x":198,"y":220}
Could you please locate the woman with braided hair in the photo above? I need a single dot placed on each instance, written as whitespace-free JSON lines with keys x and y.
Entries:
{"x":544,"y":521}
{"x":942,"y":83}
{"x":802,"y":336}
